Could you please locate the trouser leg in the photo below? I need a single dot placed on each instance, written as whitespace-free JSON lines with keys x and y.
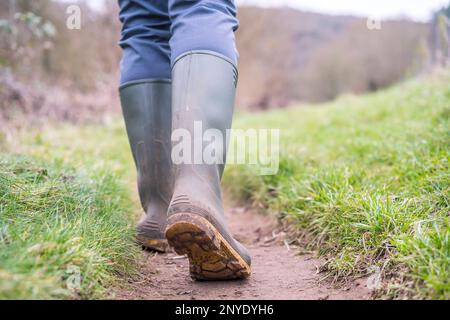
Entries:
{"x":203,"y":25}
{"x":144,"y":40}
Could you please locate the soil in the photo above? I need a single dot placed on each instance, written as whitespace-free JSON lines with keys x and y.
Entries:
{"x":279,"y":272}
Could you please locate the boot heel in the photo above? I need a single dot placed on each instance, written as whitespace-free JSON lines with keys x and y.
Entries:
{"x":159,"y":245}
{"x":211,"y":257}
{"x":150,"y":236}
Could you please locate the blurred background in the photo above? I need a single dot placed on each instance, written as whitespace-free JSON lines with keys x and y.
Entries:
{"x":291,"y":51}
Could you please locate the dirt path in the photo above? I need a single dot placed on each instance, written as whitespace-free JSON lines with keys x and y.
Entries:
{"x":278,"y":273}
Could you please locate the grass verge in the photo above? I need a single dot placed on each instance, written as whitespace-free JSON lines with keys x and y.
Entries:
{"x":66,"y":215}
{"x":366,"y":181}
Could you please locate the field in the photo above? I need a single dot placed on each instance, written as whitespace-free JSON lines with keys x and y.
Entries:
{"x":362,"y":180}
{"x":366,"y":182}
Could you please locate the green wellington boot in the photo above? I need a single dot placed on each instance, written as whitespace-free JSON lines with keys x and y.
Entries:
{"x":204,"y":86}
{"x":147,"y":107}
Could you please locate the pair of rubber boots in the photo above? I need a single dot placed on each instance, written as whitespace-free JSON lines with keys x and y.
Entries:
{"x":182,"y":199}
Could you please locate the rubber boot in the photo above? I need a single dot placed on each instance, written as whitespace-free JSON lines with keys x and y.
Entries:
{"x":203,"y":90}
{"x":146,"y":107}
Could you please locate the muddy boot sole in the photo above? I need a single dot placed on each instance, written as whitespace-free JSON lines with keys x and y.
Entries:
{"x":159,"y":245}
{"x":211,"y":257}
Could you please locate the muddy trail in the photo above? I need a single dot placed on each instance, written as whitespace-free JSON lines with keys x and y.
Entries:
{"x":278,"y":271}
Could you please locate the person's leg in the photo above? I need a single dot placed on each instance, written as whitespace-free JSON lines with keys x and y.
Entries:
{"x":203,"y":25}
{"x":204,"y":79}
{"x":144,"y":40}
{"x":145,"y":94}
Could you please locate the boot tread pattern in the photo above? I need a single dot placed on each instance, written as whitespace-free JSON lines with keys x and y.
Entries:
{"x":181,"y":200}
{"x":211,"y":257}
{"x":148,"y":226}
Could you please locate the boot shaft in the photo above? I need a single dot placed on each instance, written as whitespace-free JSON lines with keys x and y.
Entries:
{"x":147,"y":110}
{"x":204,"y":88}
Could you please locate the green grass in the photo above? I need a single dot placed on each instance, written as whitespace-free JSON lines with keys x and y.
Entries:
{"x":65,"y":209}
{"x":366,"y":180}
